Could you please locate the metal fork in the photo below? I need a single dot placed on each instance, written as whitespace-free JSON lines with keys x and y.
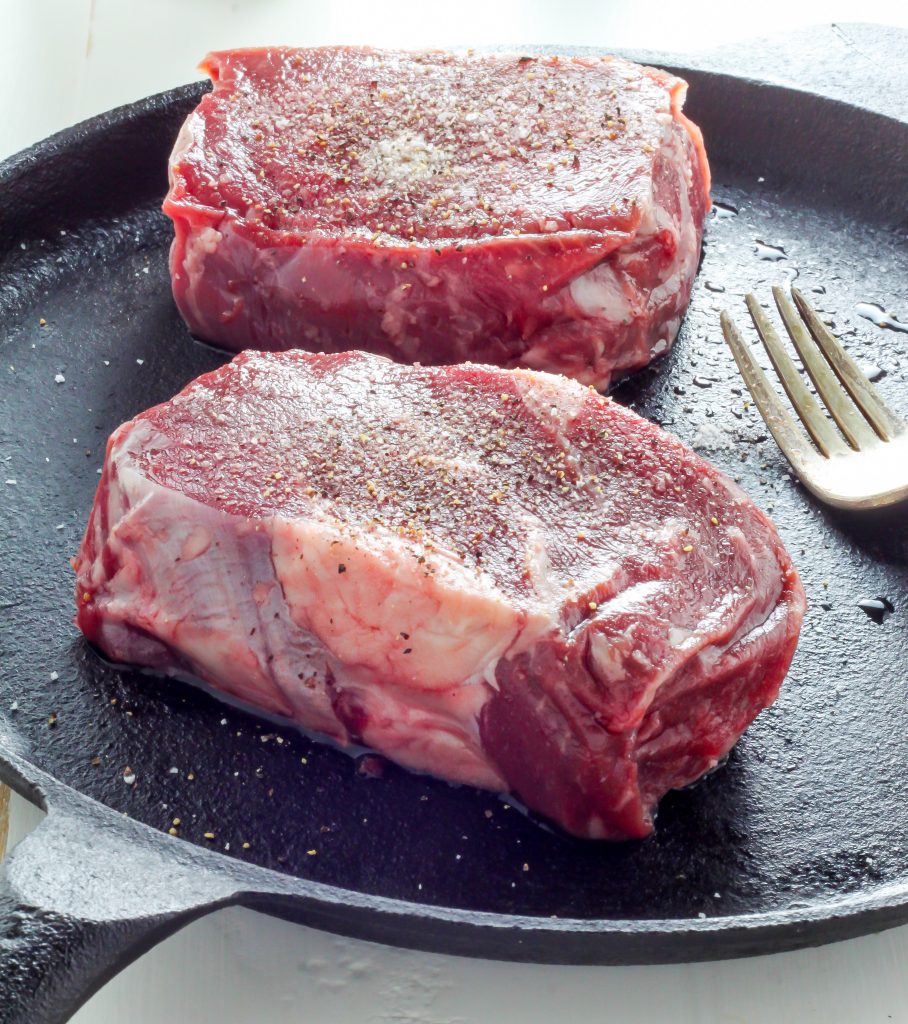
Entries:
{"x":863,"y":467}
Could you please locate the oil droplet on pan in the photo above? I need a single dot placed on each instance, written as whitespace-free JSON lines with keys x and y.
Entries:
{"x":773,"y":253}
{"x":724,"y":211}
{"x":873,"y":372}
{"x":878,"y":608}
{"x":877,"y":315}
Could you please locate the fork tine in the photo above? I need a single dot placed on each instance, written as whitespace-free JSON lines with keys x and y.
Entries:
{"x":792,"y":441}
{"x":852,"y":424}
{"x":805,"y":405}
{"x":865,"y":395}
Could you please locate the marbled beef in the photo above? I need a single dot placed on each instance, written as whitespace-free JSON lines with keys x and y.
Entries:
{"x":537,"y":212}
{"x":496,"y":576}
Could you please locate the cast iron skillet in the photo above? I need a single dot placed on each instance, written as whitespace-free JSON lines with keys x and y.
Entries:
{"x":798,"y":839}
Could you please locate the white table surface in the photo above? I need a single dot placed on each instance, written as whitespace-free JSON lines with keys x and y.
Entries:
{"x":64,"y":60}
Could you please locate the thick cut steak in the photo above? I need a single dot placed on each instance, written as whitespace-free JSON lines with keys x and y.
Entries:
{"x":538,"y":212}
{"x":496,"y":576}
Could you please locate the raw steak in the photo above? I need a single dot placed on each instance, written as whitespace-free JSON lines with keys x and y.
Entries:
{"x":496,"y":576}
{"x":539,"y":212}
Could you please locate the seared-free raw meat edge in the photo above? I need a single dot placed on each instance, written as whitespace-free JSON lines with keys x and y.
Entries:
{"x":544,"y":212}
{"x":496,"y":576}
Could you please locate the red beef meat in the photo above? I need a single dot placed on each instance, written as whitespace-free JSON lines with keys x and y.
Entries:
{"x":537,"y":212}
{"x":496,"y":576}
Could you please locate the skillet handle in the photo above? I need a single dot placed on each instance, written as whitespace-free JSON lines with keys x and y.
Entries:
{"x":78,"y":903}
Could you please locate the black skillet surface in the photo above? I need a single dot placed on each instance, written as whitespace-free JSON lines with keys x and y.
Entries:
{"x":800,"y":838}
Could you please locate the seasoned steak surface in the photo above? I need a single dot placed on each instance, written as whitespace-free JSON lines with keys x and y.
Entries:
{"x":544,"y":212}
{"x":430,"y":147}
{"x":499,"y":577}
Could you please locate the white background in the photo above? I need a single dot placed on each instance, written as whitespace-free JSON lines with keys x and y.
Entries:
{"x":64,"y":60}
